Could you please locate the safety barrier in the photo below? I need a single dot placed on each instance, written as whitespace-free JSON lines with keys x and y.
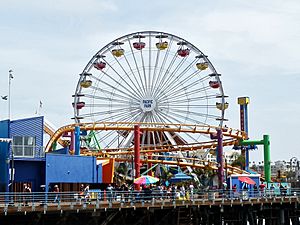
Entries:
{"x":155,"y":196}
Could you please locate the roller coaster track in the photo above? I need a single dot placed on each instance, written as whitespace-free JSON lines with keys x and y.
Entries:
{"x":202,"y":164}
{"x":163,"y":148}
{"x":48,"y":129}
{"x":231,"y":137}
{"x":162,"y":127}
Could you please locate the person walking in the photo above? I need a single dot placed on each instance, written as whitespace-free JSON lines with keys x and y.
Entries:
{"x":109,"y":192}
{"x":57,"y":196}
{"x":27,"y":191}
{"x":87,"y":195}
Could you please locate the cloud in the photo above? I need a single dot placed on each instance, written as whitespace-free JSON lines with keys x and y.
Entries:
{"x":254,"y":45}
{"x":61,"y":6}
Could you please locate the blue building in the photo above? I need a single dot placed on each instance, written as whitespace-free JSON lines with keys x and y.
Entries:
{"x":23,"y":160}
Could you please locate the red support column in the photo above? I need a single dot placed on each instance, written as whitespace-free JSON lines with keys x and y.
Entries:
{"x":220,"y":158}
{"x":137,"y":153}
{"x":149,"y":164}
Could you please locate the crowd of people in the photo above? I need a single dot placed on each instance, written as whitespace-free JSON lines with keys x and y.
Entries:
{"x":182,"y":191}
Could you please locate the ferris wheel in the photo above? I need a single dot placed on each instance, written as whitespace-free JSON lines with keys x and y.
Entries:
{"x":153,"y":78}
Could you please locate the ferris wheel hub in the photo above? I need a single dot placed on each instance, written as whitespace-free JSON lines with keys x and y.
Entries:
{"x":148,"y":104}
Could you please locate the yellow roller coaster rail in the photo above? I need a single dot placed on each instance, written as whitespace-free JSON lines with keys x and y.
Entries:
{"x":160,"y":148}
{"x":201,"y":164}
{"x":161,"y":127}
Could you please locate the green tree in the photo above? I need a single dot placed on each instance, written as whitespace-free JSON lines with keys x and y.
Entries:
{"x":239,"y":161}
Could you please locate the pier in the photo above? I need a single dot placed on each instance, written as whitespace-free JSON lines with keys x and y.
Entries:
{"x":205,"y":208}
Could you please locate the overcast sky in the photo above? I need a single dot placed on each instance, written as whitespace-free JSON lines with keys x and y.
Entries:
{"x":255,"y":45}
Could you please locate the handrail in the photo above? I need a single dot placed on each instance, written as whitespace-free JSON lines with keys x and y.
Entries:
{"x":19,"y":199}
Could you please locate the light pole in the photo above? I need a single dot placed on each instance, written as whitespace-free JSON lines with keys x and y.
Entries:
{"x":10,"y":77}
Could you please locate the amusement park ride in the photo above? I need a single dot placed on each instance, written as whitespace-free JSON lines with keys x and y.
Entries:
{"x":155,"y":98}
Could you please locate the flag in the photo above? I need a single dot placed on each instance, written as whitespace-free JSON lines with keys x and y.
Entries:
{"x":41,"y":104}
{"x":4,"y":97}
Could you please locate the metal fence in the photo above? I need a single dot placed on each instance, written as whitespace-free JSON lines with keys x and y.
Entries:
{"x":157,"y":196}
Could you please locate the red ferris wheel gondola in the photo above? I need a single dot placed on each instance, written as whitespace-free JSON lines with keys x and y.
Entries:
{"x":78,"y":105}
{"x":139,"y":45}
{"x":183,"y":52}
{"x":214,"y":84}
{"x":99,"y":65}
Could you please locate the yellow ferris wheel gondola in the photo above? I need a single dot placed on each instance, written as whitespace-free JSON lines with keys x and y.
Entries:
{"x":202,"y":66}
{"x":162,"y":45}
{"x":118,"y":52}
{"x":222,"y":106}
{"x":86,"y":83}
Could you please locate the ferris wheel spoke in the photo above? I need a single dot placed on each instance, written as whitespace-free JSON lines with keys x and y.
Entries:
{"x":184,"y":95}
{"x":149,"y":72}
{"x":197,"y":91}
{"x":180,"y":88}
{"x":195,"y":140}
{"x":187,"y":113}
{"x":107,"y":105}
{"x":168,"y":80}
{"x":114,"y":140}
{"x":127,"y":142}
{"x":185,"y":118}
{"x":168,"y":74}
{"x":121,"y":77}
{"x":127,"y":75}
{"x":161,"y":70}
{"x":202,"y":98}
{"x":164,"y":77}
{"x":137,"y":68}
{"x":109,"y":98}
{"x":171,"y":83}
{"x":124,"y":96}
{"x":144,"y":134}
{"x":154,"y":71}
{"x":104,"y":112}
{"x":144,"y":71}
{"x":129,"y":117}
{"x":189,"y":106}
{"x":194,"y":92}
{"x":159,"y":135}
{"x":130,"y":137}
{"x":139,"y":88}
{"x":113,"y":97}
{"x":167,"y":119}
{"x":103,"y":139}
{"x":121,"y":142}
{"x":104,"y":135}
{"x":122,"y":116}
{"x":114,"y":87}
